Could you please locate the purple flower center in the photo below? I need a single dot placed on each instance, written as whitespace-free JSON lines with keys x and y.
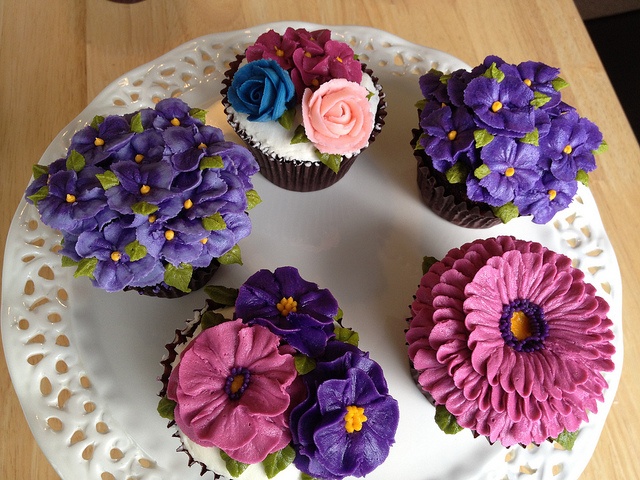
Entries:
{"x":237,"y":382}
{"x":523,"y":326}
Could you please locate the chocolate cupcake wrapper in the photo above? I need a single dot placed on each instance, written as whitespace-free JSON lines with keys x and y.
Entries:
{"x":446,"y":200}
{"x":200,"y":278}
{"x":297,"y":175}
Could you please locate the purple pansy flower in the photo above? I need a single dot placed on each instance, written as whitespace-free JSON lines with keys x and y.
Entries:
{"x":347,"y":423}
{"x":547,"y":198}
{"x":173,"y":112}
{"x":289,"y":306}
{"x":449,"y":135}
{"x":98,"y":144}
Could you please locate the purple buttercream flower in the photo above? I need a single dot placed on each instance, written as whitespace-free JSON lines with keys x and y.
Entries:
{"x":173,"y":111}
{"x":450,"y":133}
{"x":97,"y":144}
{"x":513,"y":168}
{"x":502,"y":108}
{"x":432,"y":87}
{"x":297,"y":310}
{"x":347,"y":423}
{"x":547,"y":198}
{"x":538,"y":77}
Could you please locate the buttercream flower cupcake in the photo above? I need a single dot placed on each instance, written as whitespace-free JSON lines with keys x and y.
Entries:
{"x":507,"y":340}
{"x":152,"y":201}
{"x":265,"y":382}
{"x":305,"y":106}
{"x":498,"y":142}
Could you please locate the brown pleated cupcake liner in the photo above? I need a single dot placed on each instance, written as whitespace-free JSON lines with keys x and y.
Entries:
{"x":447,"y":200}
{"x":298,"y":176}
{"x":199,"y":279}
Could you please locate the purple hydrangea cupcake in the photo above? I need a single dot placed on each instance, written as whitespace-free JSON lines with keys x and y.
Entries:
{"x":265,"y":382}
{"x":498,"y":142}
{"x":152,"y":201}
{"x":305,"y":106}
{"x":507,"y":340}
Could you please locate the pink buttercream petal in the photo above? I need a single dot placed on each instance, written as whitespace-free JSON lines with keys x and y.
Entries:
{"x":271,"y":439}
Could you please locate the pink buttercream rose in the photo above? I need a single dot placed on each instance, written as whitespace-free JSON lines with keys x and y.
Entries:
{"x":232,"y":391}
{"x":336,"y":117}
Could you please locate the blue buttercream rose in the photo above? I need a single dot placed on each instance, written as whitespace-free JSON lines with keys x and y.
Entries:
{"x":261,"y":89}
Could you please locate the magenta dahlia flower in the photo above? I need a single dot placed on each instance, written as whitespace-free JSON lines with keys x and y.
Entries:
{"x":231,"y":391}
{"x":508,"y":337}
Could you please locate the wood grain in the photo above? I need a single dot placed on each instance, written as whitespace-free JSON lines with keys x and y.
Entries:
{"x":55,"y":61}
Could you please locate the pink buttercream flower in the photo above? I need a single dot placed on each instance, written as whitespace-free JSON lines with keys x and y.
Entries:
{"x":232,"y":391}
{"x":510,"y":339}
{"x":336,"y":117}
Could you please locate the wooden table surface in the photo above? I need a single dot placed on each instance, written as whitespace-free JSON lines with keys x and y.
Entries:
{"x":55,"y":56}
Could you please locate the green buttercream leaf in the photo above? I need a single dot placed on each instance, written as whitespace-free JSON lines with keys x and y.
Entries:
{"x":39,"y":170}
{"x":253,"y":199}
{"x":304,"y":476}
{"x":583,"y":177}
{"x":211,"y":319}
{"x":332,"y":161}
{"x":347,"y":335}
{"x":458,"y":173}
{"x":144,"y":208}
{"x":420,"y":104}
{"x":97,"y":120}
{"x":39,"y":195}
{"x":222,"y":295}
{"x":482,"y":138}
{"x":278,"y":461}
{"x":107,"y":179}
{"x":214,"y":222}
{"x":539,"y":99}
{"x":444,"y":78}
{"x":211,"y":162}
{"x":559,"y":83}
{"x":75,"y":161}
{"x":232,"y":256}
{"x":86,"y":267}
{"x":68,"y":262}
{"x":494,"y":72}
{"x":419,"y":145}
{"x":286,"y":119}
{"x":427,"y":262}
{"x":166,"y":408}
{"x":339,"y":315}
{"x":370,"y":94}
{"x":604,"y":146}
{"x":482,"y":171}
{"x":135,"y":250}
{"x":299,"y":135}
{"x":303,"y":363}
{"x":199,"y":114}
{"x":136,"y":123}
{"x":506,"y":212}
{"x":532,"y":137}
{"x":235,"y":467}
{"x":446,"y":421}
{"x":178,"y":277}
{"x":567,"y":439}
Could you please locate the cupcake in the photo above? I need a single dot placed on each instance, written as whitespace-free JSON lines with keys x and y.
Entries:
{"x":507,"y":340}
{"x":264,"y":382}
{"x":304,"y":105}
{"x":498,"y":142}
{"x":152,"y":201}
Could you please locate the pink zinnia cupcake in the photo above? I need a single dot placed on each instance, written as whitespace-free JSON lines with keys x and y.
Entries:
{"x":508,"y":341}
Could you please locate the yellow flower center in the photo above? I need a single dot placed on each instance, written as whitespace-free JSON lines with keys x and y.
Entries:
{"x":138,"y":158}
{"x":115,"y":256}
{"x":552,"y":194}
{"x":169,"y":234}
{"x":527,"y":82}
{"x":204,"y":240}
{"x":188,"y":203}
{"x":509,"y":172}
{"x":315,"y":82}
{"x":520,"y":325}
{"x":144,"y":189}
{"x":339,"y":59}
{"x":307,"y":54}
{"x":286,"y":306}
{"x":202,"y":146}
{"x":70,"y":198}
{"x":175,"y":122}
{"x":237,"y":383}
{"x":98,"y":142}
{"x":496,"y":106}
{"x":279,"y":51}
{"x":568,"y":149}
{"x":152,"y":218}
{"x":354,"y":419}
{"x":452,"y":135}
